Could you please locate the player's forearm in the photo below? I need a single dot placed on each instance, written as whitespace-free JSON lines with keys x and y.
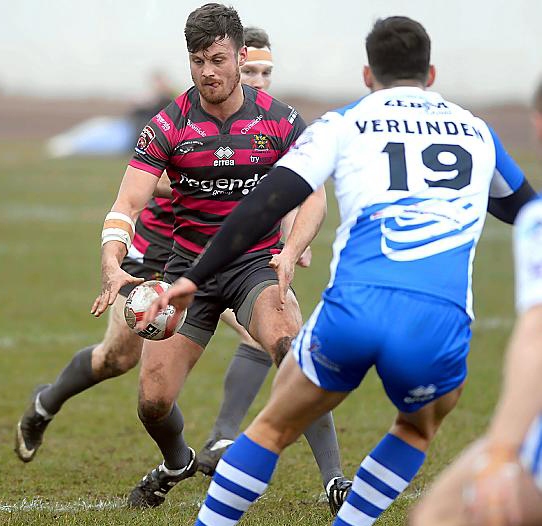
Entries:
{"x":506,"y":209}
{"x":113,"y":252}
{"x":308,"y":220}
{"x":521,"y":396}
{"x":287,"y":223}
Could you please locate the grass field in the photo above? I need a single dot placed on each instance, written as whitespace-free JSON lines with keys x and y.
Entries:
{"x":96,"y":450}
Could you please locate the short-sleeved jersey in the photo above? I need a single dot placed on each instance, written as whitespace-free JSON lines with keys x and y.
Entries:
{"x":412,"y":175}
{"x":212,"y":165}
{"x":528,"y":255}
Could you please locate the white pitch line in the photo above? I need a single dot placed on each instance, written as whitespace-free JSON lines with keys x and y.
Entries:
{"x":493,"y":323}
{"x":39,"y":504}
{"x":49,"y":214}
{"x":8,"y":342}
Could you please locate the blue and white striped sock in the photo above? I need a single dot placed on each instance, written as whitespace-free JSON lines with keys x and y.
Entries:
{"x":241,"y":476}
{"x":382,"y":476}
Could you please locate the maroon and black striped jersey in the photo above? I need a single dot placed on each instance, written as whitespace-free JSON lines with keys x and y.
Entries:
{"x":212,"y":165}
{"x":155,"y":225}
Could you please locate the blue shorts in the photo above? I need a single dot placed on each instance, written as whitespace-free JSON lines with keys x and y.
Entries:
{"x":531,"y":451}
{"x":418,"y":343}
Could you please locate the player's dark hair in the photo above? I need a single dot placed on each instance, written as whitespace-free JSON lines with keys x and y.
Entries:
{"x":537,"y":99}
{"x":256,"y":37}
{"x":398,"y":48}
{"x":212,"y":22}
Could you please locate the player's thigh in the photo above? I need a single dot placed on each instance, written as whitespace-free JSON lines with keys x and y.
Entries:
{"x":275,"y":327}
{"x":164,"y":367}
{"x":228,"y":317}
{"x":250,"y":289}
{"x":424,"y":354}
{"x":204,"y":313}
{"x":418,"y":428}
{"x":295,"y":402}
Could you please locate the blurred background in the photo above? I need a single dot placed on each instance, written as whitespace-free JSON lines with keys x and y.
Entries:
{"x":85,"y":70}
{"x":106,"y":52}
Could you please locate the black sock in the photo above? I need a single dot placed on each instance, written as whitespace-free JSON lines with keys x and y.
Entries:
{"x":244,"y":378}
{"x":168,"y":435}
{"x":76,"y":377}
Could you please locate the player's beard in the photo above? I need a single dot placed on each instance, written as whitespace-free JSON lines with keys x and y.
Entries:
{"x":221,"y":95}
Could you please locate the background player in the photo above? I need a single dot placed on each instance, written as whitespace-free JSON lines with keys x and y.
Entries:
{"x":498,"y":480}
{"x":217,"y":142}
{"x":413,"y":174}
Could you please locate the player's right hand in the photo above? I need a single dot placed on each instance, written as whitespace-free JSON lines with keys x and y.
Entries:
{"x":113,"y":279}
{"x":180,"y":295}
{"x":284,"y":266}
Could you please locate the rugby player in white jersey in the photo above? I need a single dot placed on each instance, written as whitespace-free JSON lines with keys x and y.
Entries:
{"x":413,"y":175}
{"x":498,"y":480}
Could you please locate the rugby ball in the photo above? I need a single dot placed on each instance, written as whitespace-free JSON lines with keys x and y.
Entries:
{"x":140,"y":299}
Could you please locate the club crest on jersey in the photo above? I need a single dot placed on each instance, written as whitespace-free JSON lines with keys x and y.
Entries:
{"x":260,"y":142}
{"x":224,"y":157}
{"x":145,"y":138}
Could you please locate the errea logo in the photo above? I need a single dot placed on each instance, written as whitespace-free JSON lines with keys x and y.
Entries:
{"x":224,"y":155}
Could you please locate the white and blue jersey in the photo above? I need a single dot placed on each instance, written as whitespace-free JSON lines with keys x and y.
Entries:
{"x":413,"y":174}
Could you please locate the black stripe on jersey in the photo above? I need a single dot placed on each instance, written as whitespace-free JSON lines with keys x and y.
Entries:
{"x":162,"y":215}
{"x":199,"y":217}
{"x":153,"y":237}
{"x":201,"y":239}
{"x":173,"y":111}
{"x":188,"y":233}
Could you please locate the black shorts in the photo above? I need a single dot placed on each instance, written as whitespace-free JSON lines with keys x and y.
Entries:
{"x":148,"y":266}
{"x":237,"y":287}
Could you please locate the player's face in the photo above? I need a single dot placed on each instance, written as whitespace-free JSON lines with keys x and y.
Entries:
{"x":215,"y":70}
{"x":257,"y":76}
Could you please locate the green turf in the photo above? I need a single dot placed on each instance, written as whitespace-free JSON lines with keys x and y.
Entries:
{"x":96,"y":450}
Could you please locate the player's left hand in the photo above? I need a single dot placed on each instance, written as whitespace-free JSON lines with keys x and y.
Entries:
{"x":180,"y":295}
{"x":492,"y":496}
{"x":284,"y":266}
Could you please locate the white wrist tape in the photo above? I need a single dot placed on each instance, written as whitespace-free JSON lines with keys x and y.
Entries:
{"x":116,"y":234}
{"x":118,"y":227}
{"x":119,"y":216}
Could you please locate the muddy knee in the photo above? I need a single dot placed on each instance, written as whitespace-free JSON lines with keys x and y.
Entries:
{"x":153,"y":410}
{"x":116,"y":360}
{"x":280,"y":348}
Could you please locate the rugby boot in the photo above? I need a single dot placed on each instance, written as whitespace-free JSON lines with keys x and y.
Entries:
{"x":152,"y":490}
{"x":337,"y":490}
{"x":211,"y":453}
{"x":30,"y":429}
